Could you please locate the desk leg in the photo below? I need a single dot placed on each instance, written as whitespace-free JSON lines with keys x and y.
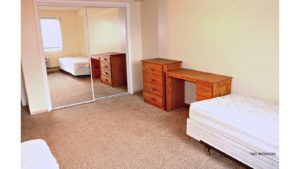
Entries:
{"x":174,"y":93}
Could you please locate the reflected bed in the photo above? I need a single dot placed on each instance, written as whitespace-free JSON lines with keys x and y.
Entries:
{"x":77,"y":65}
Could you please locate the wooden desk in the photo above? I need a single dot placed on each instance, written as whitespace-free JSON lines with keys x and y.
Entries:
{"x":208,"y":85}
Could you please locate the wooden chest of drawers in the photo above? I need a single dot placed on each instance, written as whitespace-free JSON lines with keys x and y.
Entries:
{"x":154,"y":80}
{"x":95,"y":65}
{"x":113,"y":69}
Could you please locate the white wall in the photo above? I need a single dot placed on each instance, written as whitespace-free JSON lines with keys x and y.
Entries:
{"x":107,"y":30}
{"x":33,"y":64}
{"x":150,"y":29}
{"x":234,"y":38}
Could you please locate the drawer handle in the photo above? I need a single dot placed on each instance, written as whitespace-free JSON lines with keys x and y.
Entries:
{"x":153,"y":90}
{"x":152,"y":69}
{"x":106,"y":66}
{"x":153,"y":99}
{"x":153,"y":80}
{"x":106,"y":73}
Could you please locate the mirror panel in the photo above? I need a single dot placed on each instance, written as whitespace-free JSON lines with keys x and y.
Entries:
{"x":66,"y":54}
{"x":107,"y":47}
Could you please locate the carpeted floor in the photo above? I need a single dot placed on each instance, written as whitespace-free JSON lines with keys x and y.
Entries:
{"x":102,"y":90}
{"x":66,"y":89}
{"x":122,"y":132}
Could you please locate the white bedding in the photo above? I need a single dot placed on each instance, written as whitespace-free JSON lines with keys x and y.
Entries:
{"x":248,"y":121}
{"x":35,"y":154}
{"x":77,"y":65}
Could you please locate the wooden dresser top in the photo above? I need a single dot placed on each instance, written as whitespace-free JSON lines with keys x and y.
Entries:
{"x":108,"y":53}
{"x":161,"y":61}
{"x":194,"y":75}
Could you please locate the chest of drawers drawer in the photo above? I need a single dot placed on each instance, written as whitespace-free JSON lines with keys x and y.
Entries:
{"x":105,"y":72}
{"x":152,"y":68}
{"x":106,"y":79}
{"x":153,"y":79}
{"x":105,"y":65}
{"x":158,"y":90}
{"x":105,"y":58}
{"x":153,"y":99}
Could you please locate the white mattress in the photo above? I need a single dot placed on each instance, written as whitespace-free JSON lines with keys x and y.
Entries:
{"x":248,"y":121}
{"x":77,"y":65}
{"x":35,"y":154}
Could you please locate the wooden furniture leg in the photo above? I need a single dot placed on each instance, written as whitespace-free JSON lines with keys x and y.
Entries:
{"x":174,"y":93}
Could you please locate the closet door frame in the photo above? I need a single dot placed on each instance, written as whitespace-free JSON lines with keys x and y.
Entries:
{"x":95,"y":4}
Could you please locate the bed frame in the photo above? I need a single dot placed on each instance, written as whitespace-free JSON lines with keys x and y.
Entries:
{"x":229,"y":146}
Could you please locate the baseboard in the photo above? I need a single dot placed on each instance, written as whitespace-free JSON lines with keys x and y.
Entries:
{"x":23,"y":104}
{"x":52,"y":69}
{"x":38,"y":111}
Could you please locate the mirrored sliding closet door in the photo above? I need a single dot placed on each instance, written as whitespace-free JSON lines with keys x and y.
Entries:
{"x":107,"y":48}
{"x":64,"y":41}
{"x":85,"y":53}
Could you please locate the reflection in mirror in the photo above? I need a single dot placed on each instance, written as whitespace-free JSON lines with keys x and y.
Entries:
{"x":65,"y":51}
{"x":107,"y":47}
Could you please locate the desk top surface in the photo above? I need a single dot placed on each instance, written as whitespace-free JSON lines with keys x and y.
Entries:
{"x":194,"y":75}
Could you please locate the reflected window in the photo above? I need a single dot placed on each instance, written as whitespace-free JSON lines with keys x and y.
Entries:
{"x":51,"y":34}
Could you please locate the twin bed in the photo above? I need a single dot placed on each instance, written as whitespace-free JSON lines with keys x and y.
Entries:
{"x":35,"y":154}
{"x":77,"y":65}
{"x":243,"y":127}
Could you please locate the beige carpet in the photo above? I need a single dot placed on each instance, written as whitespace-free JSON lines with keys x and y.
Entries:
{"x":102,"y":90}
{"x":66,"y":89}
{"x":122,"y":132}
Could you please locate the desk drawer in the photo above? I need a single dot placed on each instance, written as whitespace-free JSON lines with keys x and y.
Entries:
{"x":153,"y":79}
{"x":199,"y":97}
{"x":152,"y":68}
{"x":204,"y":89}
{"x":106,"y":79}
{"x":158,"y":90}
{"x":153,"y":99}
